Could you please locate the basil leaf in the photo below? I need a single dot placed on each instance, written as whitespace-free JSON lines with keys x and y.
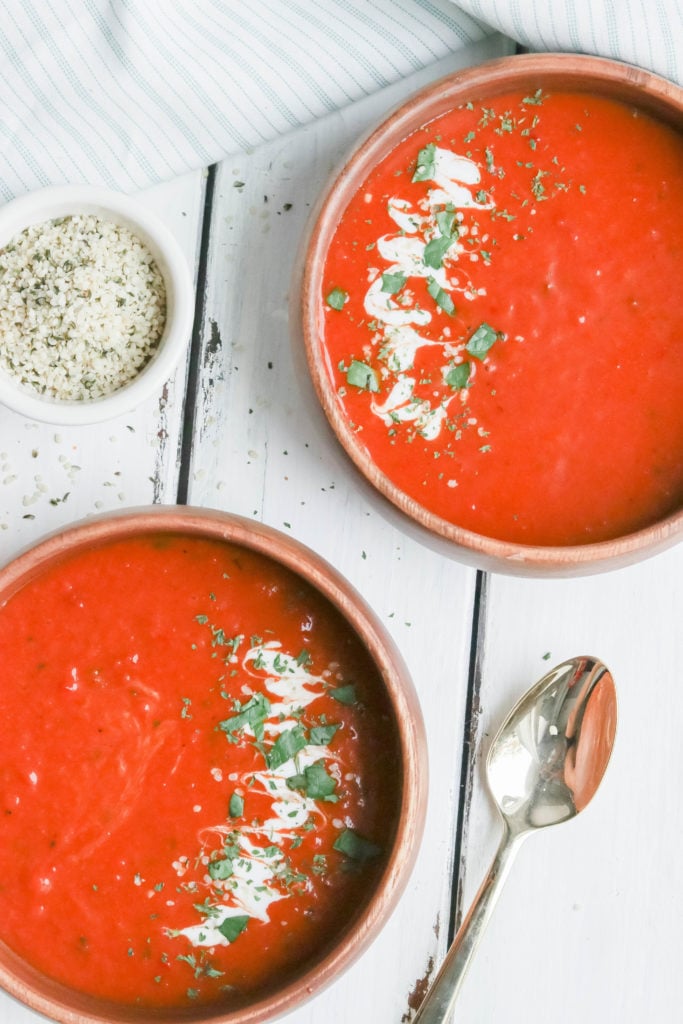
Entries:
{"x":441,"y":297}
{"x":436,"y":249}
{"x":286,"y":746}
{"x":355,"y":846}
{"x":344,"y":694}
{"x":236,"y":806}
{"x":315,"y":782}
{"x":425,"y":163}
{"x":336,"y":298}
{"x":233,"y":926}
{"x":393,"y":283}
{"x":481,"y":340}
{"x":320,"y":735}
{"x":360,"y":375}
{"x":220,"y":869}
{"x":252,"y":713}
{"x":446,"y":222}
{"x":458,"y":376}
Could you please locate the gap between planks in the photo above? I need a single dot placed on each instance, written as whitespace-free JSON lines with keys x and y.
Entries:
{"x":194,"y":363}
{"x":469,"y":750}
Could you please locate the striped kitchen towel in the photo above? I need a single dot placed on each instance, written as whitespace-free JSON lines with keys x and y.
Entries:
{"x":648,"y":33}
{"x":125,"y":93}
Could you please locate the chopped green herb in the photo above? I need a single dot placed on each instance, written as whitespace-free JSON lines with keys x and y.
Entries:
{"x":253,"y":713}
{"x":537,"y":186}
{"x":303,"y":658}
{"x":233,"y":926}
{"x":360,"y":375}
{"x":344,"y":694}
{"x":447,"y":222}
{"x":219,"y":870}
{"x":535,"y":100}
{"x":441,"y":297}
{"x":236,"y":806}
{"x":208,"y":971}
{"x":424,"y":170}
{"x":315,"y":782}
{"x":392,"y":283}
{"x":319,"y":864}
{"x":355,"y":846}
{"x":458,"y":376}
{"x":436,"y":249}
{"x":206,"y":909}
{"x":320,"y":735}
{"x":286,"y":746}
{"x":336,"y":298}
{"x":481,"y":340}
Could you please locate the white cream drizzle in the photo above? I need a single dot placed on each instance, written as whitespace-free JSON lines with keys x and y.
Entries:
{"x":454,"y":177}
{"x":403,"y":406}
{"x":452,"y":174}
{"x":400,"y":347}
{"x":256,"y":872}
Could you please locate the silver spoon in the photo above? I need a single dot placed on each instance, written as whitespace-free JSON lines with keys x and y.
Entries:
{"x":544,"y":766}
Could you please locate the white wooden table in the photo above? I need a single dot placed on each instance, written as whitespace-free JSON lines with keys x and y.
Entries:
{"x":589,"y":924}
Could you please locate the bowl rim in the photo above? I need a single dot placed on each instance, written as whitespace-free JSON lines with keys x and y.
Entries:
{"x":654,"y":94}
{"x":44,"y":204}
{"x":49,"y":998}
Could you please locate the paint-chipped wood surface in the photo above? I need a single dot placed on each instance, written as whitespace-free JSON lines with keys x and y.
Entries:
{"x":587,"y":927}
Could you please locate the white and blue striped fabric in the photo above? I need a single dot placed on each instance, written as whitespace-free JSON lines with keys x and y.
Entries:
{"x":125,"y":93}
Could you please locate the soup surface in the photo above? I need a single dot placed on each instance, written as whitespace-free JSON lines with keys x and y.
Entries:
{"x":197,"y":772}
{"x":501,"y":323}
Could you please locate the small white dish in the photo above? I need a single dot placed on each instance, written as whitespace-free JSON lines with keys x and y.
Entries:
{"x":62,"y":201}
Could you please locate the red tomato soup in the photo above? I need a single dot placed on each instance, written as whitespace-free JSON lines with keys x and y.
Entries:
{"x":198,"y":773}
{"x":502,"y":320}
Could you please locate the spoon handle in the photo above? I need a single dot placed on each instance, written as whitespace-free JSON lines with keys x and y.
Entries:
{"x":441,"y":997}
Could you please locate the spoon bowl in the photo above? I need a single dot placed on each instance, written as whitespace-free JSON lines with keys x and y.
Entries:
{"x":543,"y":767}
{"x":550,"y":753}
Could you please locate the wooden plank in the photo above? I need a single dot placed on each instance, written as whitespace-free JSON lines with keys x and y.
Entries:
{"x":263,"y":450}
{"x":590,"y":903}
{"x":51,"y":476}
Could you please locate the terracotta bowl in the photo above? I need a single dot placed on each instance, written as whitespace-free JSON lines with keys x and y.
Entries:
{"x":61,"y":1004}
{"x":560,"y":72}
